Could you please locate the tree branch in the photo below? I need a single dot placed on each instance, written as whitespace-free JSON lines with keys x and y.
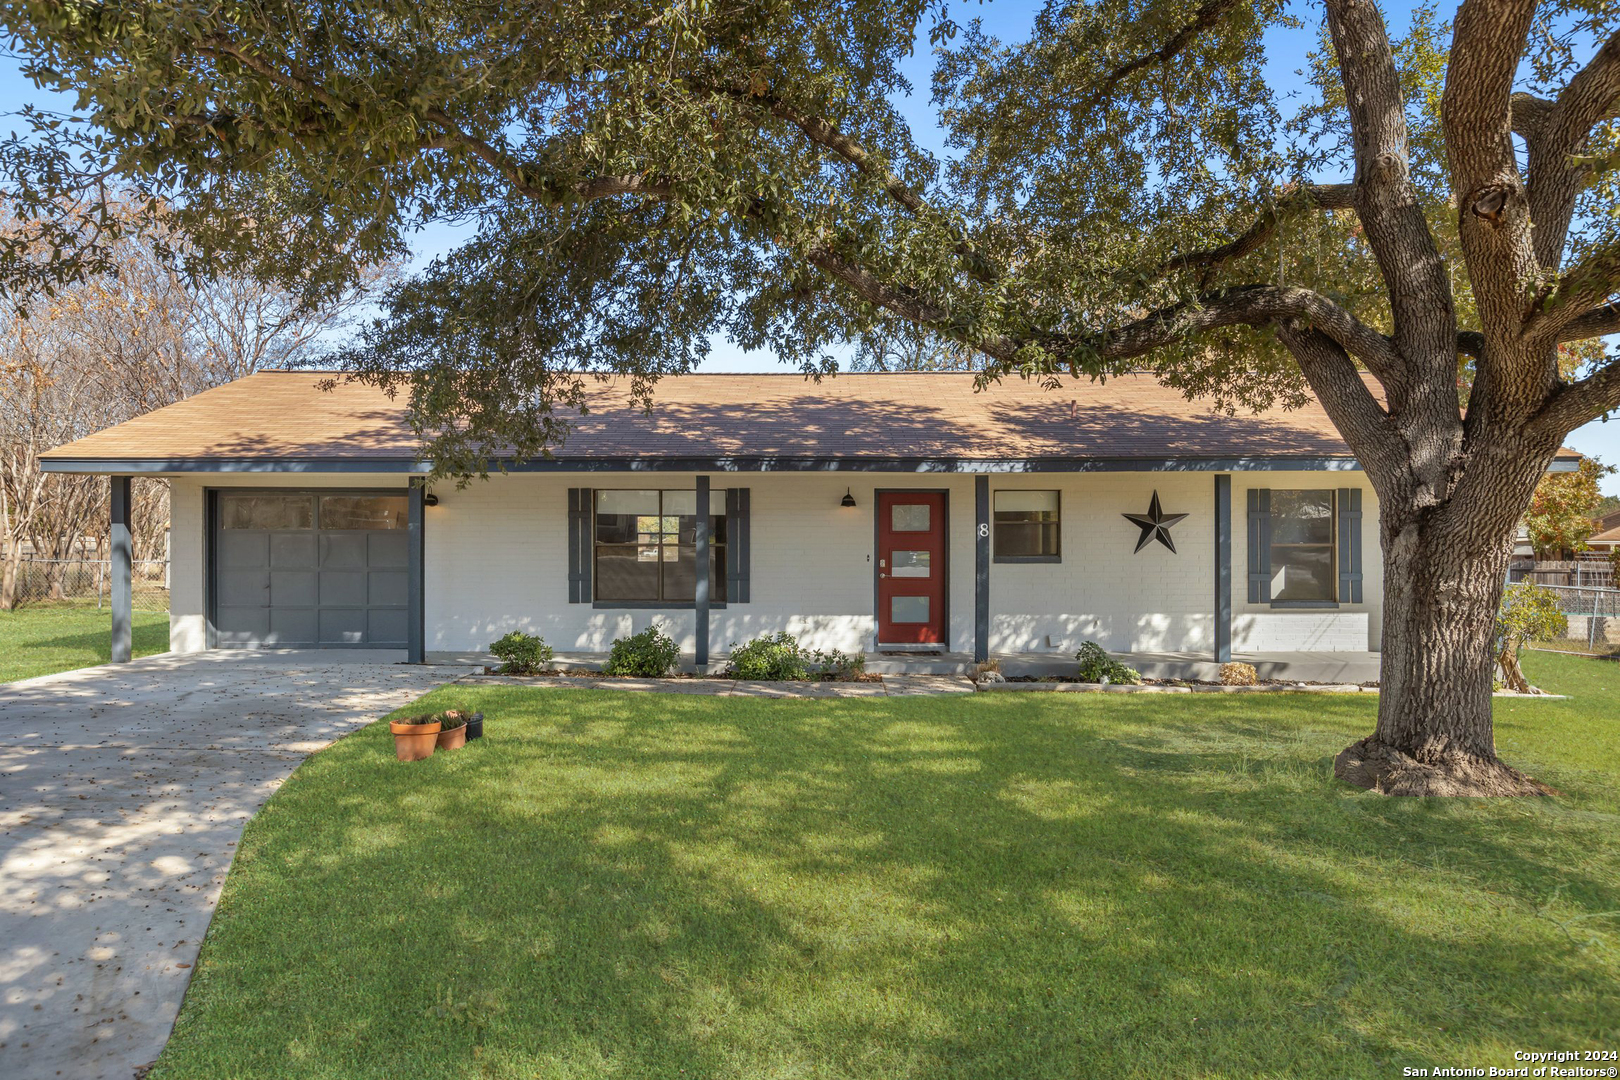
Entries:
{"x":1342,"y":391}
{"x":1204,"y":18}
{"x":1295,"y":199}
{"x":1246,"y":305}
{"x":907,"y":303}
{"x":1386,"y":199}
{"x":1577,"y":403}
{"x":824,"y":133}
{"x":1597,"y":322}
{"x":1560,"y":131}
{"x":543,"y":189}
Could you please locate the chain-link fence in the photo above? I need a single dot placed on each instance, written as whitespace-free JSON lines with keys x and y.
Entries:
{"x":88,"y":582}
{"x":1594,"y":619}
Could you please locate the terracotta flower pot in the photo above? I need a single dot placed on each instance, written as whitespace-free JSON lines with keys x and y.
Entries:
{"x":413,"y":742}
{"x":453,"y":738}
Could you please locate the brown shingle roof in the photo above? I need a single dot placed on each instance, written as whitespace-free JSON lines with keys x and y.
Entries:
{"x":282,"y":414}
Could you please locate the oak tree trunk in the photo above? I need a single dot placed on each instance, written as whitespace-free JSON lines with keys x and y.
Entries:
{"x":1442,"y":588}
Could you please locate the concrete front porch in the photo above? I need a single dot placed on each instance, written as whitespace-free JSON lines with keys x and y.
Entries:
{"x":1316,"y":667}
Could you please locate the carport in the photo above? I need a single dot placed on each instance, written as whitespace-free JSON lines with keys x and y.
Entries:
{"x":318,"y":568}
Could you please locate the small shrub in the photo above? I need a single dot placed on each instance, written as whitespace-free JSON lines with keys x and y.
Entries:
{"x":833,"y":664}
{"x":1529,"y":613}
{"x":648,"y":655}
{"x":773,"y":657}
{"x":521,"y":654}
{"x":1098,"y":667}
{"x":452,"y":719}
{"x":1237,"y":673}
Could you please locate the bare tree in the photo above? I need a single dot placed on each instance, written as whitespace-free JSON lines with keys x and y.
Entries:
{"x":109,"y":348}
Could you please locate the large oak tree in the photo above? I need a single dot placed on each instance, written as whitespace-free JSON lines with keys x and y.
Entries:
{"x":1125,"y":190}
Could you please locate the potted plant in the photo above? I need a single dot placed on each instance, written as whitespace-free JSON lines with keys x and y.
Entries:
{"x":452,"y":730}
{"x":475,"y":726}
{"x":415,"y":736}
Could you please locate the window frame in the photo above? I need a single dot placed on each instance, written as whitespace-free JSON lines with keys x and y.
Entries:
{"x":717,"y":555}
{"x":1333,"y":600}
{"x":995,"y":554}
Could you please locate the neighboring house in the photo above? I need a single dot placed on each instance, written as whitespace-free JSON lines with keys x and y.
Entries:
{"x":1607,"y":538}
{"x":863,"y":512}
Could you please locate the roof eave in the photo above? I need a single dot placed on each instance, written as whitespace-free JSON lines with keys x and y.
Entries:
{"x":724,"y":463}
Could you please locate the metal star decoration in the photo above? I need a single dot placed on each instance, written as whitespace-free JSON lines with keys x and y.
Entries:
{"x":1155,"y":524}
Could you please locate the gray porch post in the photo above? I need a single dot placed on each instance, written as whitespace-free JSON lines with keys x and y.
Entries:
{"x":121,"y":554}
{"x":981,"y":569}
{"x":700,"y":587}
{"x":415,"y":587}
{"x":1223,"y":568}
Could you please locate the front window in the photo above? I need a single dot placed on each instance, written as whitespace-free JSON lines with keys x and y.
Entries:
{"x":1026,"y":525}
{"x":1302,"y":545}
{"x":646,"y":546}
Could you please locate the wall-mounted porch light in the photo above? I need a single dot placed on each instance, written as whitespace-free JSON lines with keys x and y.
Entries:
{"x":847,"y":500}
{"x":430,"y":499}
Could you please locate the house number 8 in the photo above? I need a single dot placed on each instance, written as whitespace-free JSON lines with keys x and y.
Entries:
{"x":984,"y":531}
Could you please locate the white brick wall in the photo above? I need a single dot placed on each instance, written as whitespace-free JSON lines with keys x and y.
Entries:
{"x":497,"y":560}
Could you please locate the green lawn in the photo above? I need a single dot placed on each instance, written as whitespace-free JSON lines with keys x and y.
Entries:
{"x":43,"y":638}
{"x":641,"y":885}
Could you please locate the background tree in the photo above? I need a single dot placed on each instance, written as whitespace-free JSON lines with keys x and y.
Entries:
{"x":136,"y":335}
{"x":1124,"y":190}
{"x":1563,"y":512}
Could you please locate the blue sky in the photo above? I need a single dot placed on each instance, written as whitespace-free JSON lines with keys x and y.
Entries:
{"x":1009,"y":20}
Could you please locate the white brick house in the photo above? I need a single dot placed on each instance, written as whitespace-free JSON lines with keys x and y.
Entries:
{"x":864,"y":512}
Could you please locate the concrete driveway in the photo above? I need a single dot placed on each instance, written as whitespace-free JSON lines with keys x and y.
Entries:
{"x":123,"y":791}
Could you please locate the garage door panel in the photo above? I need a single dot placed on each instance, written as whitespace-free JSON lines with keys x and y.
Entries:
{"x":242,"y":625}
{"x":343,"y":551}
{"x":388,"y":550}
{"x":388,"y":588}
{"x":385,"y":626}
{"x":343,"y":626}
{"x":343,"y":588}
{"x":294,"y":626}
{"x":244,"y":588}
{"x":239,"y":550}
{"x":293,"y":588}
{"x":289,"y":581}
{"x":295,"y":550}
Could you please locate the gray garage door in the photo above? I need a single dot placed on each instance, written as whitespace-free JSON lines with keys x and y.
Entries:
{"x":304,"y":568}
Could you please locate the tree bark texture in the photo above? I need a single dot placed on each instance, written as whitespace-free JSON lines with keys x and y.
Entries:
{"x":1445,"y":566}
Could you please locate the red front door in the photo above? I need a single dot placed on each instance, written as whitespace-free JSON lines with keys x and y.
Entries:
{"x":911,"y":568}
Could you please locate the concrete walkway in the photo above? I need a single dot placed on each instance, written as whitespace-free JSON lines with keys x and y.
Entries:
{"x":123,"y":790}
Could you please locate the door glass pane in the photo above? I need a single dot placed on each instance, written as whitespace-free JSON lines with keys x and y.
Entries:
{"x":363,"y":512}
{"x":910,"y":563}
{"x":908,"y":609}
{"x":266,"y":512}
{"x":909,"y":517}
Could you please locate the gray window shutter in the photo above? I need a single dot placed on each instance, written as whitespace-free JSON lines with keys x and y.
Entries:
{"x":1259,"y":545}
{"x":1349,"y":545}
{"x":579,"y":545}
{"x":737,"y":545}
